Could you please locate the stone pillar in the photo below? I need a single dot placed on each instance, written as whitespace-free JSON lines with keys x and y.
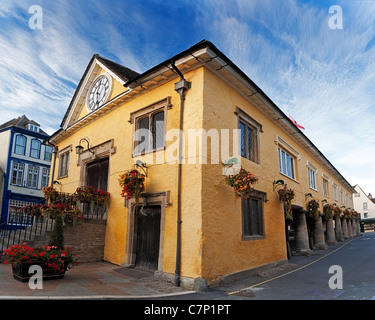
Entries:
{"x":354,"y":232}
{"x":358,"y":227}
{"x":344,"y":228}
{"x":301,"y":235}
{"x":319,"y":240}
{"x":349,"y":223}
{"x":338,"y":229}
{"x":331,"y":238}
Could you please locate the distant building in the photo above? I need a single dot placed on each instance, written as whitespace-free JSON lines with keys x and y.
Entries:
{"x":363,"y":203}
{"x":24,"y":163}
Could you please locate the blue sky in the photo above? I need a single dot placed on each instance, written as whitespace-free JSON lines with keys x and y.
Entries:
{"x":323,"y":77}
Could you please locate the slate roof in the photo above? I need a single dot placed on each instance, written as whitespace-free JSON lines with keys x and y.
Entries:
{"x":21,"y":122}
{"x":124,"y":73}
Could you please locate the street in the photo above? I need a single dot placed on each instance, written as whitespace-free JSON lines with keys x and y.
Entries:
{"x":352,"y":277}
{"x":357,"y":262}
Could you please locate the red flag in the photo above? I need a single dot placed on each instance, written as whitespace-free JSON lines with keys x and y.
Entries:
{"x":295,"y":123}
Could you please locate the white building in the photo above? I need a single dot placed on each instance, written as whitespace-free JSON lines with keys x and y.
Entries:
{"x":363,"y":204}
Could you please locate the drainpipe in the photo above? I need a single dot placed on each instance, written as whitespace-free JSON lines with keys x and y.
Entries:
{"x":181,"y":87}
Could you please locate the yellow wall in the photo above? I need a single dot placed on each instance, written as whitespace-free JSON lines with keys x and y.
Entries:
{"x":224,"y":250}
{"x":162,"y":177}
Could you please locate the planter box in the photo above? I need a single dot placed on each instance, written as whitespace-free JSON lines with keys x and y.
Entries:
{"x":21,"y":271}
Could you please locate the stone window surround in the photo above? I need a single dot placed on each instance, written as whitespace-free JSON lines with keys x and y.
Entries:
{"x":62,"y":152}
{"x":102,"y":150}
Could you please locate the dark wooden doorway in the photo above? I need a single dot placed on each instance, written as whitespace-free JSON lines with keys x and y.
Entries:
{"x":147,"y":240}
{"x":97,"y":174}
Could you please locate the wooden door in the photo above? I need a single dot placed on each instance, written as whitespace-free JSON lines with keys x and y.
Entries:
{"x":148,"y":237}
{"x":97,"y":174}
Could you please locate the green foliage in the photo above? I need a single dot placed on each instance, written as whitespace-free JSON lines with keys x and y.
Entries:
{"x":57,"y":235}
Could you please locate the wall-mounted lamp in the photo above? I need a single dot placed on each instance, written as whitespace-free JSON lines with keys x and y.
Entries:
{"x":141,"y":165}
{"x":307,"y":195}
{"x":79,"y":148}
{"x":276,"y":183}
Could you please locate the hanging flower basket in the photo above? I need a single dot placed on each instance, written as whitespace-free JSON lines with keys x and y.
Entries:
{"x":337,"y":211}
{"x":133,"y":184}
{"x":242,"y":183}
{"x":50,"y":194}
{"x":347,"y":213}
{"x":94,"y":196}
{"x":313,"y":208}
{"x":328,"y":211}
{"x":286,"y":196}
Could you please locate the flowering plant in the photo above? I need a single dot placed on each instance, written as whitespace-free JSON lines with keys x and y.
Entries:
{"x":132,"y":183}
{"x":347,"y":213}
{"x":313,"y":206}
{"x":242,"y":182}
{"x":66,"y":210}
{"x":86,"y":194}
{"x":286,"y":196}
{"x":34,"y":209}
{"x":50,"y":193}
{"x":53,"y":258}
{"x":328,"y":211}
{"x":337,"y":211}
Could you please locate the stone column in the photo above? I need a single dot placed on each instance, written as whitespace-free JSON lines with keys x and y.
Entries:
{"x":338,"y":229}
{"x":358,"y":227}
{"x":319,"y":240}
{"x":344,"y":228}
{"x":331,"y":239}
{"x":354,"y":228}
{"x":301,"y":235}
{"x":348,"y":221}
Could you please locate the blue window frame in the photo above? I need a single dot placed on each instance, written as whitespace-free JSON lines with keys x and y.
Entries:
{"x":48,"y":153}
{"x":45,"y":177}
{"x":17,"y":173}
{"x":32,"y":176}
{"x":35,"y":148}
{"x":20,"y":144}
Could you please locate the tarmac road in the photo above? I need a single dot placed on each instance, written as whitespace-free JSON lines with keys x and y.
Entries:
{"x":310,"y":278}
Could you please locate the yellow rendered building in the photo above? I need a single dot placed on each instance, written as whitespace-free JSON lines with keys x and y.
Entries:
{"x":192,"y":224}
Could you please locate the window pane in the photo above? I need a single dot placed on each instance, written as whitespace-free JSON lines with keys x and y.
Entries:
{"x":283,"y":162}
{"x":255,"y":218}
{"x":243,"y":143}
{"x":246,"y":217}
{"x":143,"y":135}
{"x":20,"y":144}
{"x":48,"y":153}
{"x":35,"y":148}
{"x":158,"y":130}
{"x":251,"y":217}
{"x":250,"y":142}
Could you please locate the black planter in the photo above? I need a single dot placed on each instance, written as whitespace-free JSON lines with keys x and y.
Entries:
{"x":21,"y":271}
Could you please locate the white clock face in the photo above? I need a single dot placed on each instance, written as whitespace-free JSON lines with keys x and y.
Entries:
{"x":98,"y":93}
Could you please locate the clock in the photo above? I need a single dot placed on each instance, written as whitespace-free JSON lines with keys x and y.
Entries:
{"x":98,"y":92}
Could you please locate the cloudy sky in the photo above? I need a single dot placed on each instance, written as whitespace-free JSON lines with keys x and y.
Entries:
{"x":323,"y":77}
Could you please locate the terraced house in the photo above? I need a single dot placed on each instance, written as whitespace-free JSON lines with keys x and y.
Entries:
{"x":25,"y":162}
{"x":192,"y":224}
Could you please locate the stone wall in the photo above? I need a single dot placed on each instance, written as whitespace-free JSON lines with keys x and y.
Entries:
{"x":86,"y":238}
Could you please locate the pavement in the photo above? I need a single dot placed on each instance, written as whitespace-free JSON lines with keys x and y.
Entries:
{"x":106,"y":281}
{"x":97,"y":280}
